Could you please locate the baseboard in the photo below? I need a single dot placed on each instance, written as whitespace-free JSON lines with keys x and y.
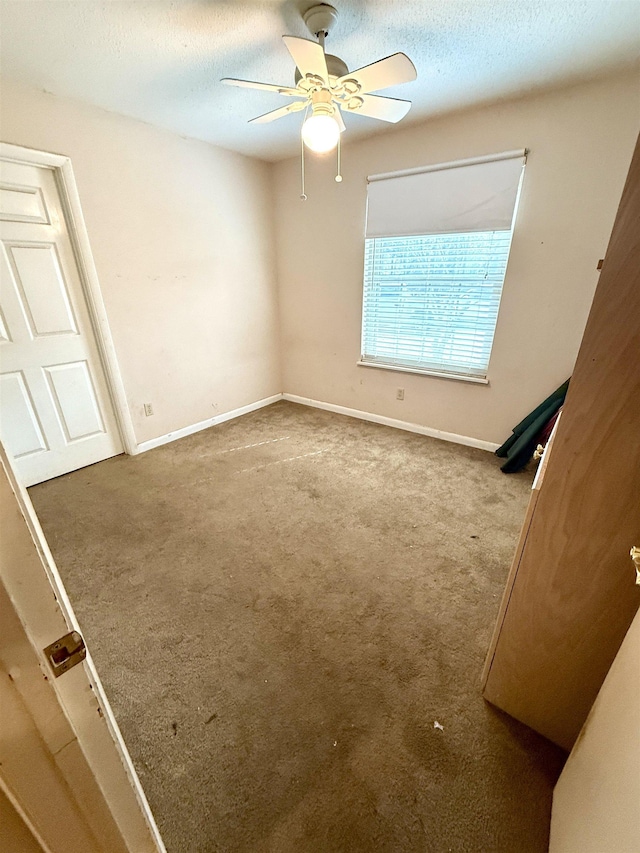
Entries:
{"x":218,"y":419}
{"x":317,"y":404}
{"x":393,"y":422}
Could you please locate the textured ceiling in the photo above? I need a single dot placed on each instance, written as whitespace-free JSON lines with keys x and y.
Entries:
{"x":162,"y":61}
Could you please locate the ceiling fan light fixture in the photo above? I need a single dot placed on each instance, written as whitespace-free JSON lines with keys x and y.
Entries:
{"x":320,"y":131}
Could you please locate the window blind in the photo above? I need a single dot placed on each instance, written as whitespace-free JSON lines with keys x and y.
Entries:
{"x":436,"y":250}
{"x":431,"y":302}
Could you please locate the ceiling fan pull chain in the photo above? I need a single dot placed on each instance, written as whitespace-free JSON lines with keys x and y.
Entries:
{"x":303,"y":194}
{"x":339,"y":175}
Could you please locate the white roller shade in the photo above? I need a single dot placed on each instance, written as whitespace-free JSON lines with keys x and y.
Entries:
{"x":450,"y":198}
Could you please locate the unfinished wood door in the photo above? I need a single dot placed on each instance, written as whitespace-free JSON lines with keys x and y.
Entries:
{"x":56,"y":414}
{"x":572,"y":595}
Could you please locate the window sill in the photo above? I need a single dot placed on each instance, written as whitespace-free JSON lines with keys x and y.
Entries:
{"x":476,"y":380}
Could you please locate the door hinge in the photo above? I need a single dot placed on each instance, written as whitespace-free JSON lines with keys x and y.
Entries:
{"x":65,"y":652}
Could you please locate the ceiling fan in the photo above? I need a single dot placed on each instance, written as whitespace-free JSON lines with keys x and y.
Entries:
{"x":326,"y":88}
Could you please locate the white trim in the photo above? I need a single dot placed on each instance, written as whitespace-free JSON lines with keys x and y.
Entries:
{"x":66,"y":183}
{"x":31,"y":156}
{"x":392,"y":422}
{"x":453,"y":164}
{"x":218,"y":419}
{"x":479,"y":380}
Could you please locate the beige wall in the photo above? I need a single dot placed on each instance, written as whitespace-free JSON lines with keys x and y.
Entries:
{"x":595,"y":803}
{"x":581,"y":140}
{"x":182,"y":238}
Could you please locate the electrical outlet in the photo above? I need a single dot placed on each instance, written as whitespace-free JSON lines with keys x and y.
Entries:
{"x":400,"y":394}
{"x":148,"y":409}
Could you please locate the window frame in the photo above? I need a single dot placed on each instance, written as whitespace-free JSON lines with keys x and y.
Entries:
{"x":431,"y":370}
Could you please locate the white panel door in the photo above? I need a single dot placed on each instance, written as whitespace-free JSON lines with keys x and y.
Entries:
{"x":56,"y":414}
{"x":62,"y":757}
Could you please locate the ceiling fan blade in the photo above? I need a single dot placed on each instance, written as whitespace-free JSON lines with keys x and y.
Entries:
{"x":279,"y":113}
{"x":308,"y":56}
{"x":377,"y":106}
{"x":269,"y":87}
{"x":338,"y":117}
{"x":391,"y":71}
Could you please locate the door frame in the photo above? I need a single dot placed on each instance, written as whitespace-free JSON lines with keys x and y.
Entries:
{"x":65,"y":180}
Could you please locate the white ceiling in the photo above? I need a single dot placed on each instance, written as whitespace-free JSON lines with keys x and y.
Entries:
{"x":161,"y":60}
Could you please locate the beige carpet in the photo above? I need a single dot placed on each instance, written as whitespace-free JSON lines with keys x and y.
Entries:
{"x":302,"y":597}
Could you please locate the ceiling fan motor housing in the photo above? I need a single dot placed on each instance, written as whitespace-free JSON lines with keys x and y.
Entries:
{"x":335,"y":66}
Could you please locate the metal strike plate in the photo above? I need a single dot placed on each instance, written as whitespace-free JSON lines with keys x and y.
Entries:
{"x":65,"y":653}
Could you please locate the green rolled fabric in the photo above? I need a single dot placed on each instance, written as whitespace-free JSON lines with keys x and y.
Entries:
{"x":519,"y":447}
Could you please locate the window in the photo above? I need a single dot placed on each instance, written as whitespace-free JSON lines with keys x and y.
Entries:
{"x":436,"y":253}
